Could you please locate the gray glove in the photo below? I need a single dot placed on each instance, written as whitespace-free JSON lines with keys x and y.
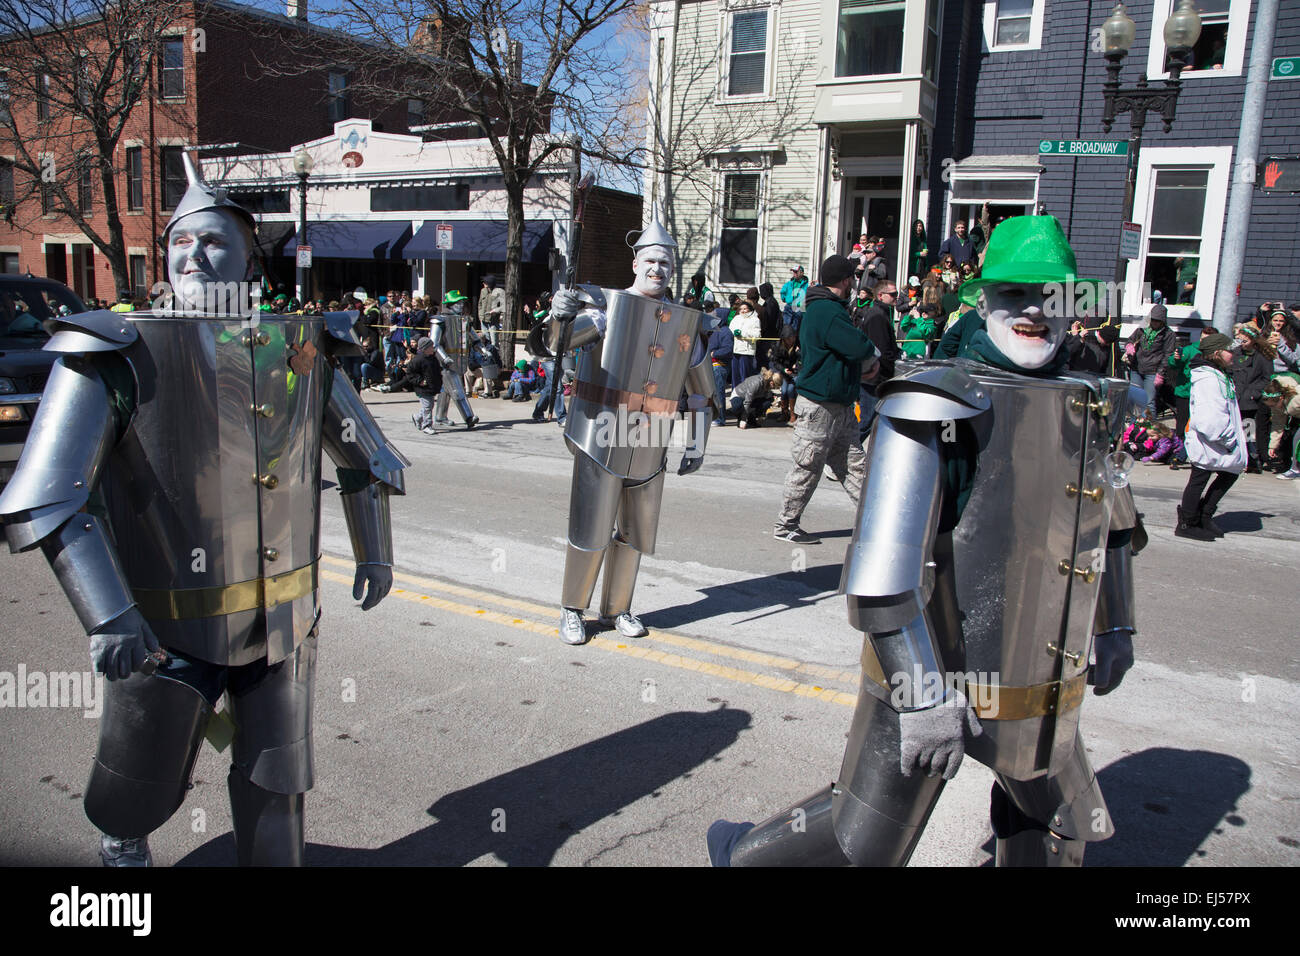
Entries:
{"x":1114,"y":653}
{"x":690,"y":464}
{"x":120,"y":647}
{"x":380,"y":578}
{"x":565,"y":304}
{"x":933,"y":739}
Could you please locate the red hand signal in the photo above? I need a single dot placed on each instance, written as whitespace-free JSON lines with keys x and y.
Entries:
{"x":1272,"y":173}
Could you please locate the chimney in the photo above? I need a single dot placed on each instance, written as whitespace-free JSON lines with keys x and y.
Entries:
{"x":297,"y":9}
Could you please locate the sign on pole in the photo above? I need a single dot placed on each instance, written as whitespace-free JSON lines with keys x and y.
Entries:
{"x":1130,"y":240}
{"x":1278,"y":174}
{"x":1285,"y":68}
{"x":304,"y":257}
{"x":443,"y":236}
{"x":1082,"y":147}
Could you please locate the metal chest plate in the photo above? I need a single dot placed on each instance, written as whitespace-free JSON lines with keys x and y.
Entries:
{"x":1028,"y":553}
{"x":217,"y":482}
{"x":628,"y":386}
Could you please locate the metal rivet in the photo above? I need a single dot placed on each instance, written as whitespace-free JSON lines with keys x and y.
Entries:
{"x":1056,"y":820}
{"x":268,"y":481}
{"x":663,"y":315}
{"x":88,"y":526}
{"x":270,"y":554}
{"x":246,"y":340}
{"x":657,"y":351}
{"x":78,"y":484}
{"x":266,"y":411}
{"x":263,"y":338}
{"x":650,"y":388}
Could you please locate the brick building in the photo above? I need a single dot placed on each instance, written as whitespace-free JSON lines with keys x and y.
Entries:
{"x":215,"y":84}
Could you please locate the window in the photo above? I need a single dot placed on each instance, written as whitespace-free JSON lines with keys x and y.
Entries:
{"x":870,"y":38}
{"x":1219,"y":51}
{"x":747,"y":56}
{"x":1013,"y":25}
{"x":739,"y":242}
{"x":1180,"y":200}
{"x":46,"y":189}
{"x":338,"y":97}
{"x":932,"y":41}
{"x":412,"y":198}
{"x":261,"y":201}
{"x":136,"y":268}
{"x":5,"y":116}
{"x":173,"y":175}
{"x":6,"y":185}
{"x":171,"y":67}
{"x":414,"y":113}
{"x":81,"y":82}
{"x":9,"y":263}
{"x":134,"y":178}
{"x":43,"y":97}
{"x":85,"y":184}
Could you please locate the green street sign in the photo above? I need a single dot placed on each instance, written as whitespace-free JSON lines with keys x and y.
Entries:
{"x":1286,"y":68}
{"x":1082,"y":147}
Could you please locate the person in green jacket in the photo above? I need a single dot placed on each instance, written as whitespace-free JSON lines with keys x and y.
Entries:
{"x":1179,"y":376}
{"x":918,"y":330}
{"x":836,"y":358}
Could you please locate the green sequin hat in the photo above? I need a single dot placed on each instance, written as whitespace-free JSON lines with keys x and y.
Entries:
{"x":1028,"y":249}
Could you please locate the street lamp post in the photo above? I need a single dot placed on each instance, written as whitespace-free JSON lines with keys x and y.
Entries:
{"x":1181,"y":32}
{"x":302,"y":164}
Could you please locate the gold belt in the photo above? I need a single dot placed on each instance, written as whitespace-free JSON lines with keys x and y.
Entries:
{"x":185,"y":603}
{"x":1005,"y":702}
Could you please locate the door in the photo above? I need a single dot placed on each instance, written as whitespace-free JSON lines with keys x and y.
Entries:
{"x":875,"y":214}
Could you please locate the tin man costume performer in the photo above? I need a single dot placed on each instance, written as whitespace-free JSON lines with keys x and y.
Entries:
{"x":644,"y":352}
{"x":446,"y":327}
{"x":172,"y":478}
{"x":990,"y":556}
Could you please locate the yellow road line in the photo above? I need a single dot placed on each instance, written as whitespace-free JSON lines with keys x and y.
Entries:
{"x":784,"y":685}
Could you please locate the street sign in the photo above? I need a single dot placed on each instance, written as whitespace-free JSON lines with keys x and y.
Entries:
{"x":1279,"y":174}
{"x":1130,"y":240}
{"x":304,"y":257}
{"x":443,"y":240}
{"x":1082,"y":147}
{"x":1285,"y":68}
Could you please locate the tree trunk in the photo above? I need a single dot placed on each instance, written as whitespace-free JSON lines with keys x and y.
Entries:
{"x":514,"y":255}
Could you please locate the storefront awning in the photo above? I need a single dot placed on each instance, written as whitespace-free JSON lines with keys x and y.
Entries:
{"x":271,"y":237}
{"x":356,"y":240}
{"x":481,"y":240}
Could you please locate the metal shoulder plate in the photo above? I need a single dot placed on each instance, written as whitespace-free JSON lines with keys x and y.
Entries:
{"x":61,"y":461}
{"x":353,"y":439}
{"x":341,"y":338}
{"x":98,"y":331}
{"x":933,"y":392}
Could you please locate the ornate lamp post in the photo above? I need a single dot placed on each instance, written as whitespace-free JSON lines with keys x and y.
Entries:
{"x":1182,"y":29}
{"x":302,"y":164}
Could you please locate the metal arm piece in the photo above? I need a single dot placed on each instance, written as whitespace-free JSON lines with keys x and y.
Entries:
{"x":87,"y":567}
{"x":342,"y":338}
{"x":889,"y":571}
{"x":370,"y":525}
{"x":61,"y":461}
{"x":353,"y":439}
{"x":1115,"y":603}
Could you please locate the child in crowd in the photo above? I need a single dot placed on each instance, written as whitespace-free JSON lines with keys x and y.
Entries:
{"x":752,"y":397}
{"x":1162,"y":444}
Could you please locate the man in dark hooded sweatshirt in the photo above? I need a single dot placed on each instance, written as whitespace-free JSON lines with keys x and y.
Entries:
{"x":769,"y":320}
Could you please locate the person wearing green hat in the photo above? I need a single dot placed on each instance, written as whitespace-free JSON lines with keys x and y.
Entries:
{"x":990,"y":559}
{"x":522,"y":380}
{"x":442,"y":331}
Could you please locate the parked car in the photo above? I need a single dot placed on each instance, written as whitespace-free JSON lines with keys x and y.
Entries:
{"x":26,"y":302}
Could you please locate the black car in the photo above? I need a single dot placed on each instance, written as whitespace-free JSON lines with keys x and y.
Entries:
{"x":26,"y":302}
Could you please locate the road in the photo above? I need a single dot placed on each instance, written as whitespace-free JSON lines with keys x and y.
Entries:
{"x":453,"y":727}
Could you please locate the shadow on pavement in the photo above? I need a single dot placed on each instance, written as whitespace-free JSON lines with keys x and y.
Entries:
{"x":789,"y":589}
{"x":1241,"y":520}
{"x":1164,"y":803}
{"x":542,"y":804}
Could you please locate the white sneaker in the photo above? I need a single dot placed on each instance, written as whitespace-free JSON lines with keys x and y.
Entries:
{"x":572,"y":630}
{"x":428,"y":430}
{"x":627,"y":624}
{"x":1289,"y":475}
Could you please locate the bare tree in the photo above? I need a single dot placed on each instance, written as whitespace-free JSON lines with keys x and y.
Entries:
{"x":532,"y":76}
{"x":75,"y":72}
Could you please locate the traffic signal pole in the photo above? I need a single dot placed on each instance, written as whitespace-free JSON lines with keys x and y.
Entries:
{"x":1237,"y":225}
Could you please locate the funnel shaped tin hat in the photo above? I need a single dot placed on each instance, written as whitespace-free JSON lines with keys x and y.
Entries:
{"x":199,"y":197}
{"x":654,"y":235}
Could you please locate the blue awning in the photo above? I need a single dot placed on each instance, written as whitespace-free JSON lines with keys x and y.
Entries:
{"x":481,"y":240}
{"x":355,"y":240}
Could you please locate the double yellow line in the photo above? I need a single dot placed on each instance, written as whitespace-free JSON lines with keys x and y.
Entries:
{"x":782,"y":674}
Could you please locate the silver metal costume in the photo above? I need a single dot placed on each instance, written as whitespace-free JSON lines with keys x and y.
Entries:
{"x":444,"y":331}
{"x":995,"y":578}
{"x":173,"y":475}
{"x":636,"y":367}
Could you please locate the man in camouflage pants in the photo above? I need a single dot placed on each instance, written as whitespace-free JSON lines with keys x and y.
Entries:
{"x":836,"y":356}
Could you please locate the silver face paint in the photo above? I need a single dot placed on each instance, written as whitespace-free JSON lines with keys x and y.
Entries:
{"x":1018,"y":324}
{"x":206,"y":247}
{"x":653,"y":267}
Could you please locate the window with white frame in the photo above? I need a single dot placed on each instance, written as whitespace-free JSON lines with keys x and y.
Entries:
{"x":738,"y":237}
{"x":1013,"y":25}
{"x":1180,"y":201}
{"x":869,"y":40}
{"x":171,"y":67}
{"x":747,"y":49}
{"x":1220,"y":50}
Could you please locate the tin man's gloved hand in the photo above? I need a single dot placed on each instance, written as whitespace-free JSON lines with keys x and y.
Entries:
{"x":566,"y":304}
{"x":120,"y":647}
{"x":933,"y":739}
{"x":380,"y":579}
{"x":1114,"y":652}
{"x":690,"y":463}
